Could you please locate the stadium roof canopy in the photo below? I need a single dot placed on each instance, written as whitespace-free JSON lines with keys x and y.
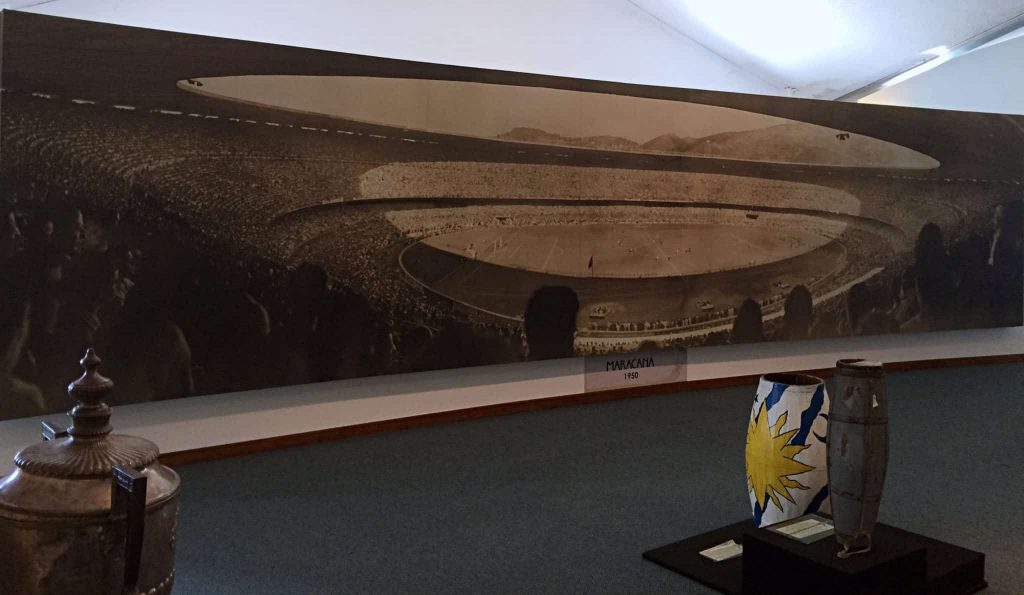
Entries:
{"x":827,"y":49}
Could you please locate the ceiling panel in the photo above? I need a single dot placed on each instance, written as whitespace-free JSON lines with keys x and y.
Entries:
{"x":827,"y":48}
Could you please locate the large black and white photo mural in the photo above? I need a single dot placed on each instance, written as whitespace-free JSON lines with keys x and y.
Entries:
{"x":217,"y":215}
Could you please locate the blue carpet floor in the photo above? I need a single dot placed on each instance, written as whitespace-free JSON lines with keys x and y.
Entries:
{"x":566,"y":500}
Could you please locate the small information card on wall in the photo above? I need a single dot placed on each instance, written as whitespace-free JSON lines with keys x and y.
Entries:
{"x":608,"y":371}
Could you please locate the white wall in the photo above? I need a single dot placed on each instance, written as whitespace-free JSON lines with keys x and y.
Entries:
{"x":617,"y":44}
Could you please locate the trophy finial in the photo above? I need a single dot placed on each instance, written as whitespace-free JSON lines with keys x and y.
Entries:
{"x":90,"y":360}
{"x":90,"y":417}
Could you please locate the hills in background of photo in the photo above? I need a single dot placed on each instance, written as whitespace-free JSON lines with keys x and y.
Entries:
{"x":795,"y":143}
{"x":564,"y":118}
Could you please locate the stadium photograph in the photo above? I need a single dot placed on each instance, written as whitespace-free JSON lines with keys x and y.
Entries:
{"x":217,"y":215}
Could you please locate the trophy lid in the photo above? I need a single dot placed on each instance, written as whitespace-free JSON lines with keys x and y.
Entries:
{"x":89,"y":450}
{"x":69,"y":476}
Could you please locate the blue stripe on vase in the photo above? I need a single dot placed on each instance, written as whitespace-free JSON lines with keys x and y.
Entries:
{"x":757,"y":514}
{"x":816,"y":502}
{"x":776,"y":395}
{"x":808,"y":416}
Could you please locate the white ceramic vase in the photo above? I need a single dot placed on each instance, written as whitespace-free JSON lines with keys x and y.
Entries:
{"x":786,"y":453}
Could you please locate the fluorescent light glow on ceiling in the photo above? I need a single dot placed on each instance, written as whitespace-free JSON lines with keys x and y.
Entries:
{"x":938,"y":51}
{"x":781,"y":32}
{"x":936,"y":57}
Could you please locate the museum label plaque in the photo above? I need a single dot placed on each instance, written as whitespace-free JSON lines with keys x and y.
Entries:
{"x":604,"y":372}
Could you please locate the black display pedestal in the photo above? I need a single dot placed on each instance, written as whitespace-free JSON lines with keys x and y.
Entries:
{"x":771,"y":561}
{"x":901,"y":562}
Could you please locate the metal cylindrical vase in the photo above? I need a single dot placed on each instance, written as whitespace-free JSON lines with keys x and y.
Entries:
{"x":858,"y":452}
{"x":785,"y":451}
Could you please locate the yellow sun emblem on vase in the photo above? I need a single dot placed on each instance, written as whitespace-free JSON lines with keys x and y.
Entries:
{"x":770,"y":460}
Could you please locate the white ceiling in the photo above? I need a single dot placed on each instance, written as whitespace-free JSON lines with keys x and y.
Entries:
{"x":806,"y":48}
{"x":828,"y":48}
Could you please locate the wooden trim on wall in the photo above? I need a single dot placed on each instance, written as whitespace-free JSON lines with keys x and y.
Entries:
{"x":195,"y":455}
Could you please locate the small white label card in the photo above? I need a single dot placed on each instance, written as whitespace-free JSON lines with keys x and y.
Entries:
{"x":723,"y":551}
{"x":608,"y":371}
{"x":805,"y":529}
{"x":812,"y":531}
{"x":799,"y":526}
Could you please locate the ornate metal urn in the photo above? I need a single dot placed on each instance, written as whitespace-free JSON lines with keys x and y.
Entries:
{"x":86,"y":511}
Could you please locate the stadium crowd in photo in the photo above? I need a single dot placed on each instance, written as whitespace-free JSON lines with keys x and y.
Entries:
{"x":210,"y":231}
